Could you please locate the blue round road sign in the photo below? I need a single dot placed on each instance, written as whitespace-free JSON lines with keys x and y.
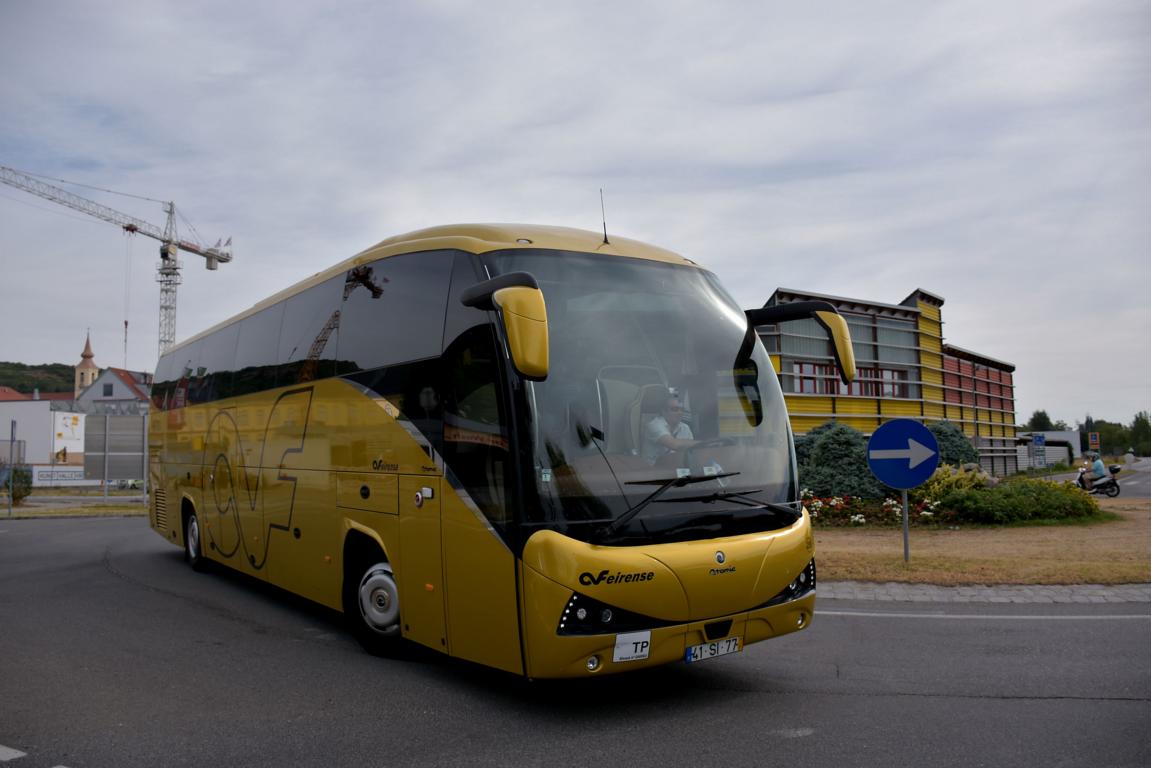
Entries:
{"x":902,"y":454}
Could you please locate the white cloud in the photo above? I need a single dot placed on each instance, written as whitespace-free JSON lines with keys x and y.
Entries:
{"x":994,"y":154}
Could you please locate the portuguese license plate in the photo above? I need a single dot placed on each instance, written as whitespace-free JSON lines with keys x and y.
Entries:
{"x":705,"y":651}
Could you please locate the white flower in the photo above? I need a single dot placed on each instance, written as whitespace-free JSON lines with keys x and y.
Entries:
{"x":858,"y":520}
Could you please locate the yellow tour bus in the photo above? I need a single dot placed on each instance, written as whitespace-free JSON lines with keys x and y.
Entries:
{"x":528,"y":447}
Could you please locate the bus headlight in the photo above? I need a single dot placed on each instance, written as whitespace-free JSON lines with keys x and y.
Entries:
{"x":584,"y":615}
{"x":801,"y":585}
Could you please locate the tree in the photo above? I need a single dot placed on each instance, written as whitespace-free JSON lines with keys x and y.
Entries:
{"x":954,"y":446}
{"x":1040,"y":422}
{"x":1141,"y":434}
{"x":18,"y":484}
{"x":1113,"y":438}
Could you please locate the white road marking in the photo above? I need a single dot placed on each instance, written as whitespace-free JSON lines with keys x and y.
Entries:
{"x":983,"y":617}
{"x":7,"y":753}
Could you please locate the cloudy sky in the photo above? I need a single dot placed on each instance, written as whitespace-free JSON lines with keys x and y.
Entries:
{"x":997,"y":154}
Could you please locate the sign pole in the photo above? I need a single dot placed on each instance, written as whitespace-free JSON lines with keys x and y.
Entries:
{"x":903,"y":454}
{"x":106,"y":425}
{"x":12,"y":468}
{"x":906,"y":530}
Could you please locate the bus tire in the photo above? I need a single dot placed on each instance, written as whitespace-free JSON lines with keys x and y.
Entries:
{"x":193,"y":544}
{"x":372,"y":608}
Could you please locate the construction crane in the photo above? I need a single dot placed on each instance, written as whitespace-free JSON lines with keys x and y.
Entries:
{"x":167,"y":271}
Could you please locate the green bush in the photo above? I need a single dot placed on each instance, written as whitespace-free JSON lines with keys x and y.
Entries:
{"x":954,"y":446}
{"x":964,"y":498}
{"x":948,"y":478}
{"x":835,"y":463}
{"x":19,"y":484}
{"x":1020,"y":500}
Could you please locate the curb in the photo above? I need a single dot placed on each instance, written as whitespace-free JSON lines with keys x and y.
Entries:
{"x":982,"y":593}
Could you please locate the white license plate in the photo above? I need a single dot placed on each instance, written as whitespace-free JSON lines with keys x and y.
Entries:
{"x":705,"y":651}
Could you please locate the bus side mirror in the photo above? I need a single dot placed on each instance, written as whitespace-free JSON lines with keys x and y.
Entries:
{"x":828,"y":318}
{"x":526,"y":323}
{"x":520,"y":304}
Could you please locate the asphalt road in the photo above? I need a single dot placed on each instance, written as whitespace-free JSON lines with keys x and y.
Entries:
{"x":114,"y":653}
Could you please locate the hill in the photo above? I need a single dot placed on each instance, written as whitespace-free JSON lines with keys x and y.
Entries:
{"x":52,"y":377}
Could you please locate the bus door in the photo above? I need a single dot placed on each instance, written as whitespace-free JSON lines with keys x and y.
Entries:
{"x":421,"y":573}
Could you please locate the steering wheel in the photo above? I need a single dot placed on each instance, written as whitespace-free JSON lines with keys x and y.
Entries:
{"x":715,"y":442}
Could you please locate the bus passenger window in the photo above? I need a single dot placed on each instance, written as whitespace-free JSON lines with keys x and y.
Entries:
{"x":307,"y":349}
{"x":393,"y":311}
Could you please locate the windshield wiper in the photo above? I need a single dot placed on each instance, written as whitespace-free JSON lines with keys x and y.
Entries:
{"x":664,"y":485}
{"x":739,"y":498}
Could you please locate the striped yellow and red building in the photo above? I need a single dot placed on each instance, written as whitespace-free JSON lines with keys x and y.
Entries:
{"x":905,"y":370}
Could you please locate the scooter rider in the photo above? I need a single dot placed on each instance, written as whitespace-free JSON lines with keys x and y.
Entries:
{"x":1098,"y":471}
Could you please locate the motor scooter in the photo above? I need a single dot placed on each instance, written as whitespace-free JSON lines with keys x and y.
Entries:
{"x":1108,"y":486}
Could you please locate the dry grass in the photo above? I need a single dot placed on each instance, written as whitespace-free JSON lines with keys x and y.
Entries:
{"x":1113,"y":552}
{"x":94,"y":507}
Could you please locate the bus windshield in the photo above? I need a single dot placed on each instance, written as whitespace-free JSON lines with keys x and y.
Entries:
{"x":661,"y":418}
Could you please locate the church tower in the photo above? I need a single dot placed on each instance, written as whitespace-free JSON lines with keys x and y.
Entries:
{"x":86,"y":371}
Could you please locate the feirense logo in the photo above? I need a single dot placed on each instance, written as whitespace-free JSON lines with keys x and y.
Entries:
{"x":607,"y":577}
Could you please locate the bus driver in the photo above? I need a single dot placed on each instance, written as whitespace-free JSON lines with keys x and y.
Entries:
{"x":667,"y":432}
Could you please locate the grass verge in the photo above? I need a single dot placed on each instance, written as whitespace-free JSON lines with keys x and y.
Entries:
{"x":1113,"y":551}
{"x":30,"y":510}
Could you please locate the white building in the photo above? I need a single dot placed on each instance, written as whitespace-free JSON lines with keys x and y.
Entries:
{"x":116,"y":391}
{"x":53,"y":439}
{"x":51,"y":425}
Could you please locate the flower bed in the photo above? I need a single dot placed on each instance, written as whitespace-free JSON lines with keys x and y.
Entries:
{"x":956,"y":496}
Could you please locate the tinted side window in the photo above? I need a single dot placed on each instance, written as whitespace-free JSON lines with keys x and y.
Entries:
{"x":256,"y":351}
{"x":187,"y":374}
{"x":393,"y":310}
{"x":162,"y":383}
{"x":214,"y":366}
{"x":307,"y":347}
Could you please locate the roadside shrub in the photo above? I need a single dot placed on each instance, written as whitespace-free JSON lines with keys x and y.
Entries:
{"x":954,"y":446}
{"x":1021,"y":500}
{"x":804,"y":443}
{"x":835,"y":463}
{"x":19,"y":484}
{"x":963,"y":499}
{"x":948,"y":478}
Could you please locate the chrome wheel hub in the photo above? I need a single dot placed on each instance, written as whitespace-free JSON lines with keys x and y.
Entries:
{"x":379,"y":600}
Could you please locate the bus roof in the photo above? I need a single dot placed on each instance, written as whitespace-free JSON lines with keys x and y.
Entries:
{"x":472,"y":238}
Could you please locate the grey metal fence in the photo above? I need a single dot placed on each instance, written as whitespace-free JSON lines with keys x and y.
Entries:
{"x":115,"y":447}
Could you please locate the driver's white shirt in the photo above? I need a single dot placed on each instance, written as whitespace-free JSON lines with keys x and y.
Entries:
{"x":657,"y":428}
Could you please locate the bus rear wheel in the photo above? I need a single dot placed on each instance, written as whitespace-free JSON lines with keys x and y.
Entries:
{"x":372,"y":607}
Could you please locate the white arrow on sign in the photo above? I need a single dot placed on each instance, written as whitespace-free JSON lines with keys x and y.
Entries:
{"x":916,"y":453}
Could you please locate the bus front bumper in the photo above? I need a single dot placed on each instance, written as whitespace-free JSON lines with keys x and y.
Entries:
{"x":560,"y":656}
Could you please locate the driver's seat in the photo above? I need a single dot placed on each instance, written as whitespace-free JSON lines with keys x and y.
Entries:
{"x":648,"y":404}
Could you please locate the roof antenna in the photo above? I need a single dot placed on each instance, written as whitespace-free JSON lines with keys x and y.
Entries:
{"x":603,"y":214}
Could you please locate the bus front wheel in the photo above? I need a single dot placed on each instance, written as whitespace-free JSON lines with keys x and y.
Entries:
{"x":193,"y":553}
{"x":374,"y":609}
